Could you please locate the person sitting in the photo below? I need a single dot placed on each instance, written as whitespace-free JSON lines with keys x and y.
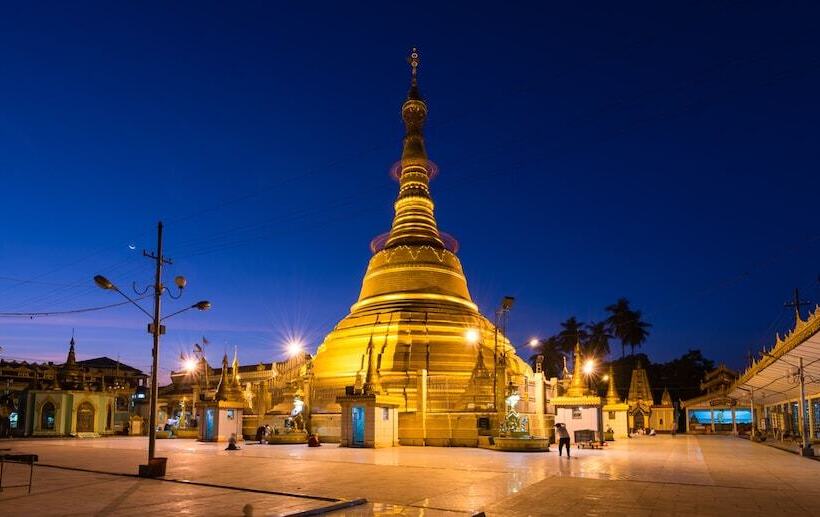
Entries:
{"x":313,"y":441}
{"x":232,"y":443}
{"x":260,"y":434}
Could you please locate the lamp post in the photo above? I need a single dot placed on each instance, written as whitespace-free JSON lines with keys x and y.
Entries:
{"x":589,"y":371}
{"x":154,"y":468}
{"x":500,"y":319}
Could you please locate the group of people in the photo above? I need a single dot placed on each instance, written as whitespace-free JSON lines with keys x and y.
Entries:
{"x":263,"y":432}
{"x":642,"y":432}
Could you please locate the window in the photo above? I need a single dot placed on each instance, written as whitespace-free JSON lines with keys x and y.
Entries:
{"x":576,"y":413}
{"x":612,"y":415}
{"x":230,"y":414}
{"x":385,"y":413}
{"x":13,"y":419}
{"x":47,"y":417}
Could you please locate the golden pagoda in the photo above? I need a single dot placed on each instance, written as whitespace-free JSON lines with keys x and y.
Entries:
{"x":415,"y":335}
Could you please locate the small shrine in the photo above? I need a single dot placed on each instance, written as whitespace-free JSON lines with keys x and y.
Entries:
{"x":578,"y":407}
{"x":294,"y":429}
{"x":221,"y":417}
{"x":369,"y":417}
{"x":514,"y":431}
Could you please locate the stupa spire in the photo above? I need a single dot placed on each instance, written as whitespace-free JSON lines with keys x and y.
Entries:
{"x":414,"y":222}
{"x":71,"y":360}
{"x":612,"y":390}
{"x":577,"y":387}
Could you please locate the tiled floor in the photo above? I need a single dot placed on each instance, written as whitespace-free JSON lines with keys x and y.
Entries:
{"x":661,"y":475}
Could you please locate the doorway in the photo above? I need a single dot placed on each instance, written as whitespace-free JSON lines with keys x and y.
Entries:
{"x":209,"y":423}
{"x":85,"y":418}
{"x":358,"y":426}
{"x":639,"y":423}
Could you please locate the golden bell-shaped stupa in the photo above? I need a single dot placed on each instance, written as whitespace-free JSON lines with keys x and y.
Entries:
{"x":414,"y":332}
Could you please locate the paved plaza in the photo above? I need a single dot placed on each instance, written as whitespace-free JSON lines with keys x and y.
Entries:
{"x":663,"y":475}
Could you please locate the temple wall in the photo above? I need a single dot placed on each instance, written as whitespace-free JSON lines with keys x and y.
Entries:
{"x":662,"y":419}
{"x":327,"y":425}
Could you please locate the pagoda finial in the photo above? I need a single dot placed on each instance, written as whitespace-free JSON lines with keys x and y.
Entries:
{"x":577,"y":387}
{"x":612,"y":391}
{"x":413,"y":59}
{"x":414,"y":222}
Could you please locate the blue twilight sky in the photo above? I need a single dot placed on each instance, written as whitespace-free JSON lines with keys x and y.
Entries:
{"x":665,"y":154}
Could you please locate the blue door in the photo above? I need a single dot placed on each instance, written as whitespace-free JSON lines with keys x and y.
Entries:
{"x":358,"y":426}
{"x":209,"y":424}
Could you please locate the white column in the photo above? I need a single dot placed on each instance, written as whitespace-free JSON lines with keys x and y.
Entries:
{"x":712,"y":418}
{"x":421,"y":407}
{"x":734,"y":422}
{"x":539,"y":405}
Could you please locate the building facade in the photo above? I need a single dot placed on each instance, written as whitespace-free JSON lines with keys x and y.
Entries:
{"x":86,"y":398}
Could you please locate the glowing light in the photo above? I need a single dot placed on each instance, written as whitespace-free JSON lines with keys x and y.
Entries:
{"x":605,"y":378}
{"x":189,"y":364}
{"x":589,"y":366}
{"x":294,"y":348}
{"x":533,"y":342}
{"x":471,"y":336}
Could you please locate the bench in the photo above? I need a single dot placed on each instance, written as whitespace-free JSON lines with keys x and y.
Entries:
{"x":585,"y":439}
{"x":17,"y":457}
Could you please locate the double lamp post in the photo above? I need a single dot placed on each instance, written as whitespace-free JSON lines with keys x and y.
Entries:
{"x":156,"y":466}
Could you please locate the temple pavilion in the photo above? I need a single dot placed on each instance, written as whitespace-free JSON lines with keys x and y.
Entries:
{"x":414,"y":352}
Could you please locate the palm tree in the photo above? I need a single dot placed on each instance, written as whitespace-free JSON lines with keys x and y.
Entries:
{"x":597,"y":342}
{"x":553,"y":360}
{"x":626,"y":325}
{"x":572,"y":331}
{"x":618,"y":321}
{"x":637,"y":331}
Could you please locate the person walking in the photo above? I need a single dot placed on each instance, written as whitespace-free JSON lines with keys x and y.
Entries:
{"x":563,"y":438}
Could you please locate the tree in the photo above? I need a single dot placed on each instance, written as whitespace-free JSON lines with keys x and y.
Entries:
{"x":553,"y":362}
{"x":572,"y":331}
{"x":636,"y":331}
{"x":617,"y":321}
{"x":626,"y":325}
{"x":597,"y":342}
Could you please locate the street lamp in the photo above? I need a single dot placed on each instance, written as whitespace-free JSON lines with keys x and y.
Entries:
{"x":189,"y":365}
{"x":294,"y":347}
{"x":500,"y":319}
{"x":155,"y":466}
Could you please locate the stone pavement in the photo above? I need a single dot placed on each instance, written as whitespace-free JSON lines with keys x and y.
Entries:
{"x":663,"y":475}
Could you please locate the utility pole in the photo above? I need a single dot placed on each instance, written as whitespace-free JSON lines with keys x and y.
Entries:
{"x":796,"y":303}
{"x":156,"y":330}
{"x":155,"y":466}
{"x":806,"y":448}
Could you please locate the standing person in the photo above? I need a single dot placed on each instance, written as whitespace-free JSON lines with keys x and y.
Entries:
{"x":563,"y":438}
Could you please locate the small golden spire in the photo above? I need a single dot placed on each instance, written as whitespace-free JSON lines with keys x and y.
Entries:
{"x":414,"y":61}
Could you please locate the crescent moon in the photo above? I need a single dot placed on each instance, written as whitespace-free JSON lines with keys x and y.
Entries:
{"x":131,"y":247}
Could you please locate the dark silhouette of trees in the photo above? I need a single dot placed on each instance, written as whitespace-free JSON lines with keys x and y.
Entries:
{"x":597,"y":341}
{"x":626,"y":325}
{"x":572,"y":331}
{"x":553,"y":362}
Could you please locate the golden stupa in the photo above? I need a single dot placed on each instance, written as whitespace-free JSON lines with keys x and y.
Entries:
{"x":415,"y":333}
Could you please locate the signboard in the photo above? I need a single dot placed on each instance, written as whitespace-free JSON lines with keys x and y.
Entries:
{"x":725,"y":401}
